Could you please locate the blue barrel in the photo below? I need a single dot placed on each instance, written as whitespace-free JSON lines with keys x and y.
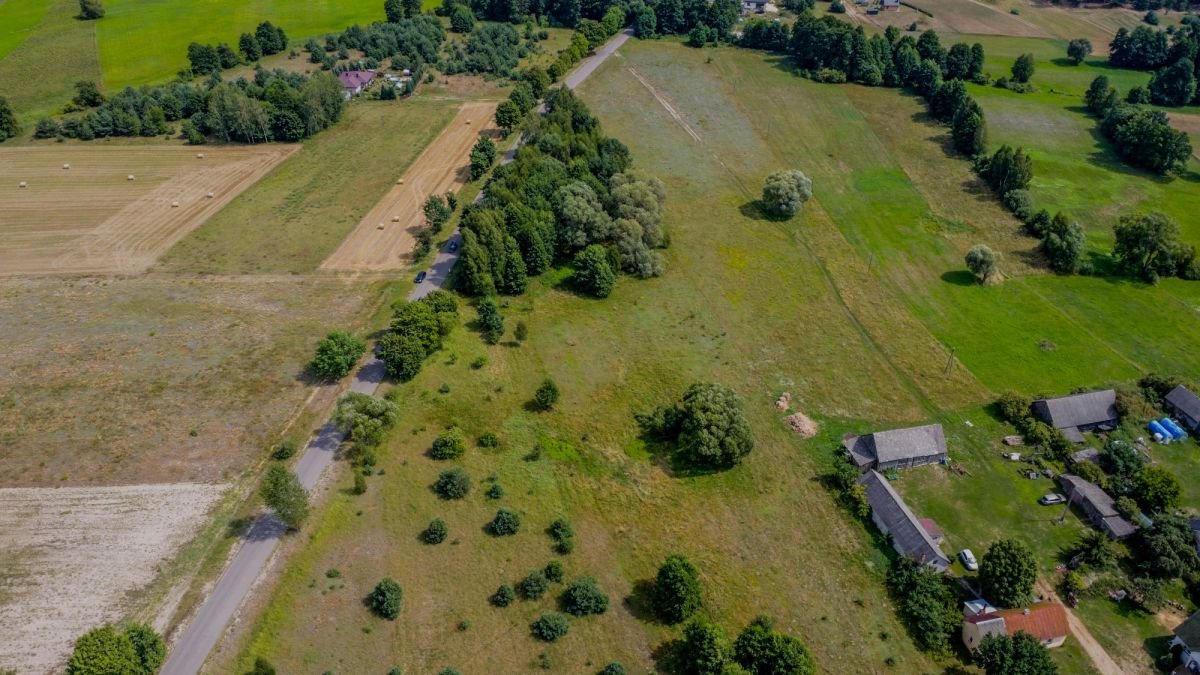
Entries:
{"x":1176,"y":431}
{"x":1160,"y":432}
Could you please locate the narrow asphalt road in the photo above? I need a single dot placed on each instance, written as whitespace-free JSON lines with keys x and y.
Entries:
{"x":190,"y":652}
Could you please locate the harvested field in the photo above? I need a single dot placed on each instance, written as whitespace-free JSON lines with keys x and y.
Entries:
{"x":964,"y":17}
{"x":92,"y":219}
{"x":69,"y":557}
{"x":385,"y":236}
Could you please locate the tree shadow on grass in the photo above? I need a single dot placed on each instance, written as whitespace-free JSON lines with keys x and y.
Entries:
{"x":640,"y":601}
{"x":668,"y":657}
{"x":757,"y":210}
{"x":960,"y":278}
{"x":238,"y":527}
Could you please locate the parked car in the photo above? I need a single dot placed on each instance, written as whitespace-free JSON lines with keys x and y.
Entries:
{"x":1052,"y":498}
{"x":420,"y":277}
{"x":968,"y":559}
{"x":453,"y":245}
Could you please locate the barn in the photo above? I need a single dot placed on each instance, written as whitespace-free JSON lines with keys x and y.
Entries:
{"x":897,"y":448}
{"x":1185,"y":407}
{"x":1078,"y":413}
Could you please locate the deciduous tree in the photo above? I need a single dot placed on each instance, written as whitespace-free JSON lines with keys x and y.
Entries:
{"x":785,"y":192}
{"x":282,"y":491}
{"x":1007,"y":573}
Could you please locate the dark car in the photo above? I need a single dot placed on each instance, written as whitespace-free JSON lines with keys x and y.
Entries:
{"x":453,"y":246}
{"x":420,"y":277}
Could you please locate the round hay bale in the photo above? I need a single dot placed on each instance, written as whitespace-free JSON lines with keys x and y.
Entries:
{"x":468,"y":121}
{"x":22,"y":184}
{"x":66,"y":166}
{"x":400,"y":181}
{"x":395,"y":219}
{"x":129,"y":177}
{"x":210,"y":195}
{"x":174,"y":205}
{"x":380,"y":226}
{"x":199,"y":155}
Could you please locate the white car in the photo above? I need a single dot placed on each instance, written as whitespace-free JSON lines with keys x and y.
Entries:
{"x":1052,"y":498}
{"x":968,"y":559}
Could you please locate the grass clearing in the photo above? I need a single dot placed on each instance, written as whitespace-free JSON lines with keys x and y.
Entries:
{"x":58,"y":48}
{"x":295,"y":216}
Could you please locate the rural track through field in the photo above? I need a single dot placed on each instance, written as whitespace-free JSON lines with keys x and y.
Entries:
{"x":189,"y":653}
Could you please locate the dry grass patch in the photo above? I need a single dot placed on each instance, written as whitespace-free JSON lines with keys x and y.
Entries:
{"x":70,"y":557}
{"x":98,"y":209}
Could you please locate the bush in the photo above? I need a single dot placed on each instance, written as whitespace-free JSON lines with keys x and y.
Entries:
{"x":478,"y":362}
{"x":385,"y":599}
{"x":452,"y":484}
{"x":704,"y":649}
{"x":785,"y":192}
{"x":450,"y":444}
{"x":360,"y":484}
{"x":284,"y":449}
{"x":504,"y":596}
{"x":489,"y":440}
{"x":1014,"y":408}
{"x":505,"y":523}
{"x":435,"y":532}
{"x":563,"y":535}
{"x":546,"y":395}
{"x":534,"y":585}
{"x":550,"y":627}
{"x":583,"y":598}
{"x":521,"y":331}
{"x":613,"y":668}
{"x":1020,"y":202}
{"x":282,"y":491}
{"x":102,"y":651}
{"x":762,"y":649}
{"x":495,"y":491}
{"x":554,"y":571}
{"x":1127,"y":508}
{"x":676,"y":593}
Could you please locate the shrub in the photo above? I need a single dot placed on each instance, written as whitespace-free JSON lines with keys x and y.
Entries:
{"x":1020,"y":202}
{"x":1014,"y":408}
{"x":452,"y":484}
{"x":360,"y":484}
{"x":503,"y":596}
{"x":495,"y":491}
{"x":583,"y":598}
{"x":762,"y":649}
{"x":785,"y":192}
{"x":550,"y":627}
{"x":534,"y":585}
{"x":554,"y":571}
{"x":704,"y":649}
{"x":104,"y":650}
{"x":478,"y":362}
{"x":336,"y":355}
{"x":435,"y":532}
{"x":546,"y":395}
{"x":676,"y":593}
{"x":563,"y":535}
{"x":1126,"y":507}
{"x":284,"y":449}
{"x":521,"y":331}
{"x":613,"y":668}
{"x":505,"y":523}
{"x":385,"y":599}
{"x":489,"y":440}
{"x":449,"y":444}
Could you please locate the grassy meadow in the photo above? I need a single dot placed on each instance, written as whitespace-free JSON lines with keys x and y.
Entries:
{"x":44,"y":49}
{"x":295,"y":216}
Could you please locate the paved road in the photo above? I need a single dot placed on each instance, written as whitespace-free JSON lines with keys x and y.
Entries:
{"x":205,"y":630}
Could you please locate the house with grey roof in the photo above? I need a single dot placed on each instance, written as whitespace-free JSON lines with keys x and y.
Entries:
{"x":897,"y":448}
{"x":1097,"y":505}
{"x":1185,"y":407}
{"x":1078,"y":413}
{"x":1187,"y":638}
{"x":893,"y":517}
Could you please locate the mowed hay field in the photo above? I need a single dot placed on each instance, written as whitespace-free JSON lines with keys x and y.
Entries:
{"x":385,"y":237}
{"x":296,"y":216}
{"x":158,"y":378}
{"x":70,"y":558}
{"x":80,"y":213}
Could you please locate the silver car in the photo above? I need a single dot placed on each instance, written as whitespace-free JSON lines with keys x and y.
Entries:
{"x":968,"y":559}
{"x":1051,"y":499}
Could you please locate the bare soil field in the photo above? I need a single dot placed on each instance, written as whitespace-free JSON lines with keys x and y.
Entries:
{"x":91,"y":218}
{"x":70,"y":557}
{"x":158,"y":378}
{"x":964,"y":17}
{"x":386,"y":235}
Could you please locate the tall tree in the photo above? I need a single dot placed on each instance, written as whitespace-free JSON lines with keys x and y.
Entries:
{"x":1078,"y":50}
{"x":9,"y":128}
{"x":282,"y":491}
{"x":1020,"y":654}
{"x":1007,"y":573}
{"x":1063,"y":244}
{"x":1147,"y":245}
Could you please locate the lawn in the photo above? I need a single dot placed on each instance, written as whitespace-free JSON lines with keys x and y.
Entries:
{"x":295,"y":216}
{"x":144,"y":41}
{"x":863,"y":299}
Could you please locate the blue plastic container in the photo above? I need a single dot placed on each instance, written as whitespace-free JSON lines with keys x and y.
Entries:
{"x":1159,"y":431}
{"x":1175,"y":430}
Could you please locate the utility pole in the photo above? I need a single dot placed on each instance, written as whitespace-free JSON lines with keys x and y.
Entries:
{"x":949,"y":362}
{"x":1067,"y":506}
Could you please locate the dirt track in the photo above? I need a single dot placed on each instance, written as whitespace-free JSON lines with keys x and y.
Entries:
{"x":70,"y":556}
{"x":380,"y":242}
{"x":90,"y":219}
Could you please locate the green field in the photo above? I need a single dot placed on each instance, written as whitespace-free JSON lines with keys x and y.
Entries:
{"x":44,"y":54}
{"x":295,"y":216}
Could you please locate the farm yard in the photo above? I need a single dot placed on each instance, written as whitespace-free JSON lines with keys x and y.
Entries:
{"x":385,"y":237}
{"x":114,"y":210}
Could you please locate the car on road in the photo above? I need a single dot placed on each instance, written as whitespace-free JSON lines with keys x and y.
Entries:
{"x":453,"y":246}
{"x":420,"y":277}
{"x":1051,"y":499}
{"x":968,"y":559}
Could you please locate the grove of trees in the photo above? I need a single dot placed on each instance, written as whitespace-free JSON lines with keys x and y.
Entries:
{"x":1148,"y":246}
{"x":416,"y":331}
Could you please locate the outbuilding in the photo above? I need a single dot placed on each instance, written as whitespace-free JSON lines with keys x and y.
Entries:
{"x":897,"y":448}
{"x":1077,"y":413}
{"x":1187,"y":639}
{"x":1098,"y":505}
{"x":893,"y":517}
{"x":1046,"y":621}
{"x":1185,"y":407}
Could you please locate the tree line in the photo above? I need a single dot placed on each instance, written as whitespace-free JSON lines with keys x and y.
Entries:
{"x":275,"y":106}
{"x":207,"y":59}
{"x":1173,"y":55}
{"x":568,"y":195}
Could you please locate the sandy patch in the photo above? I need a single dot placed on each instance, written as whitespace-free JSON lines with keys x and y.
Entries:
{"x":101,"y":209}
{"x":69,"y":557}
{"x":386,"y":235}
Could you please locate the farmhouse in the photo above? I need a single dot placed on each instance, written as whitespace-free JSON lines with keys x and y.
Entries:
{"x":893,"y":5}
{"x":1098,"y":506}
{"x":1185,"y":406}
{"x":355,"y":82}
{"x":1187,"y":638}
{"x":897,"y":448}
{"x":1045,"y":621}
{"x":754,"y":6}
{"x":1077,"y":413}
{"x":892,"y":516}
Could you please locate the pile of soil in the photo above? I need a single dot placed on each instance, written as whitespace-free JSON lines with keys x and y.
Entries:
{"x":801,"y":424}
{"x":785,"y":400}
